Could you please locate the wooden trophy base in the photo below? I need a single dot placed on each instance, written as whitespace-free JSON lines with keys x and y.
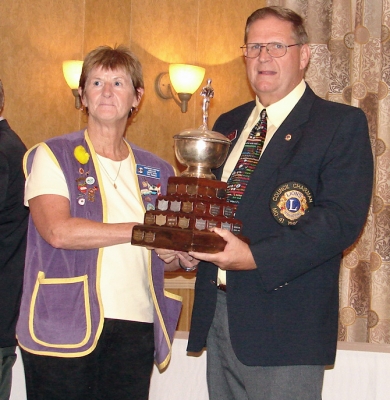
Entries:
{"x":182,"y":219}
{"x":177,"y":239}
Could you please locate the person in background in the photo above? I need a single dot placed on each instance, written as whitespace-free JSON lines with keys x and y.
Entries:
{"x":94,"y":314}
{"x":301,"y":170}
{"x":13,"y":229}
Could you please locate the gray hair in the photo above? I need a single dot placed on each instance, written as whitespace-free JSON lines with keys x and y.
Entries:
{"x":284,"y":14}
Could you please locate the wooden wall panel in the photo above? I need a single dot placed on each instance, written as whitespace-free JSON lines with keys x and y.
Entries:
{"x":37,"y":35}
{"x":220,"y":36}
{"x":107,"y":23}
{"x":163,"y":32}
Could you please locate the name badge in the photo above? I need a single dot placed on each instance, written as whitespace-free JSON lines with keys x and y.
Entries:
{"x":150,"y":172}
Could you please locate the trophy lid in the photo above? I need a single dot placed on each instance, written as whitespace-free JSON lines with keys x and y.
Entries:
{"x":202,"y":134}
{"x":199,"y":148}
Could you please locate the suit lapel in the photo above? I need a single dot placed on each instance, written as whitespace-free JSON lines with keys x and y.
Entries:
{"x":233,"y":130}
{"x":280,"y":146}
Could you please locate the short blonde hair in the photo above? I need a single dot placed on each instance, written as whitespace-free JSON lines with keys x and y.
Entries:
{"x":113,"y":58}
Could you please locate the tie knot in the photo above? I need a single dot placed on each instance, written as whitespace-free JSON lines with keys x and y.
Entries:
{"x":263,"y":114}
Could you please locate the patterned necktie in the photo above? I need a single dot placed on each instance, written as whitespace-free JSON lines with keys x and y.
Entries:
{"x":248,"y":160}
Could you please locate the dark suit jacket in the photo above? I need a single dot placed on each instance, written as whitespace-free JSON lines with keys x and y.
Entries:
{"x":13,"y":227}
{"x":285,"y":312}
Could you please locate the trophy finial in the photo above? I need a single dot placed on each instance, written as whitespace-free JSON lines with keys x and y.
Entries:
{"x":207,"y":93}
{"x":201,"y":149}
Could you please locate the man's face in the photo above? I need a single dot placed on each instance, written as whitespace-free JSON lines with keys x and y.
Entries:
{"x":274,"y":78}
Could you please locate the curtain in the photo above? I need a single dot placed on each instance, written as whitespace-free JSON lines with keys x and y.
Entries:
{"x":350,"y":44}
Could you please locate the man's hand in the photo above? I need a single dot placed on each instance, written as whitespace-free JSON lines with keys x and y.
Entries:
{"x":236,"y":255}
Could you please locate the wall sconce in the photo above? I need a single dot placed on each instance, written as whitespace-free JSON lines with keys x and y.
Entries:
{"x":185,"y":80}
{"x":72,"y":72}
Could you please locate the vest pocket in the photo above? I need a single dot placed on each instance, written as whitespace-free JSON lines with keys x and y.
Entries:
{"x":60,"y":313}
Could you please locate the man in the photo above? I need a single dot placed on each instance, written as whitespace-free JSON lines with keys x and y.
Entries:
{"x":272,"y":327}
{"x":13,"y":227}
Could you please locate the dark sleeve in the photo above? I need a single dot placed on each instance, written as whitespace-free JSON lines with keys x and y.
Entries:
{"x":4,"y":177}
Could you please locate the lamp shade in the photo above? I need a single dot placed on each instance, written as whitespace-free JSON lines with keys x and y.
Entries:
{"x":186,"y":78}
{"x":72,"y":72}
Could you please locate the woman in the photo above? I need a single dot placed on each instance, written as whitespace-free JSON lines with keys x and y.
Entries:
{"x":93,"y":310}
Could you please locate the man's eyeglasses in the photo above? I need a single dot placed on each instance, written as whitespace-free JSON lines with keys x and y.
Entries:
{"x":274,"y":49}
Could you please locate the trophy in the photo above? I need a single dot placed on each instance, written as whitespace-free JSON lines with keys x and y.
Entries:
{"x":195,"y":201}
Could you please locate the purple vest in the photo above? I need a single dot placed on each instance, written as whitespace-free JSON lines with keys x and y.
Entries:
{"x":61,"y":310}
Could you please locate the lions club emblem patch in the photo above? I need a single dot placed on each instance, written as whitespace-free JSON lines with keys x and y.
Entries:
{"x":290,"y":201}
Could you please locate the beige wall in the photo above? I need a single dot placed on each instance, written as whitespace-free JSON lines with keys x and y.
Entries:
{"x":37,"y":35}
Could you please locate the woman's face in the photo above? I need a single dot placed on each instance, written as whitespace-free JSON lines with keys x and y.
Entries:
{"x":109,"y":94}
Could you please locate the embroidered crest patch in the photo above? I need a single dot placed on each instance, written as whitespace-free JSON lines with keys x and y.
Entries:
{"x":290,"y":201}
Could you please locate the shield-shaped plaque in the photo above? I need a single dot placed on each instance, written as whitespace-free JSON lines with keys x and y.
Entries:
{"x":225,"y":225}
{"x":212,"y":224}
{"x":150,"y":237}
{"x":149,"y":219}
{"x":192,"y":189}
{"x":183,"y":223}
{"x":228,"y":211}
{"x":171,"y":188}
{"x":175,"y":205}
{"x":187,"y":206}
{"x":200,"y":224}
{"x":200,"y":207}
{"x":162,"y":205}
{"x":214,"y":209}
{"x":182,"y":188}
{"x":161,"y":219}
{"x":138,"y":234}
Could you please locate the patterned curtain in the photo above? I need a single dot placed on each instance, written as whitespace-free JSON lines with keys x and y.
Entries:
{"x":350,"y":43}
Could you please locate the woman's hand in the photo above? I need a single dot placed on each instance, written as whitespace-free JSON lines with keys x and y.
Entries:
{"x":173,"y":259}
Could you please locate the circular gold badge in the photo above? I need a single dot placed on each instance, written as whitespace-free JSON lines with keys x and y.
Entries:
{"x":290,"y":201}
